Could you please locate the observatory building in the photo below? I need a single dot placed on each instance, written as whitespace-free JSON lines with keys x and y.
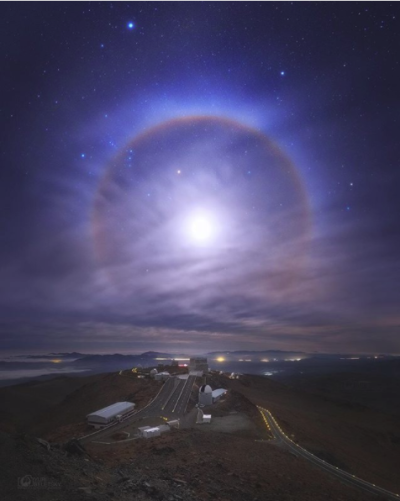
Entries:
{"x":162,"y":376}
{"x":198,"y":366}
{"x":217,"y":394}
{"x":205,"y":395}
{"x":107,"y":415}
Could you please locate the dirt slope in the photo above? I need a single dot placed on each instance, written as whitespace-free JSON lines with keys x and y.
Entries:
{"x":56,"y":409}
{"x":21,"y":404}
{"x":358,"y":439}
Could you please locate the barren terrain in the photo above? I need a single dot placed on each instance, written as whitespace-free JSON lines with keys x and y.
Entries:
{"x":234,"y":458}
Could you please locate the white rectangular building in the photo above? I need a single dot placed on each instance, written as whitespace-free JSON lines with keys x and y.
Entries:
{"x":107,"y":415}
{"x":151,"y":432}
{"x":174,"y":423}
{"x":164,"y":428}
{"x":162,"y":376}
{"x":217,"y":394}
{"x":142,"y":429}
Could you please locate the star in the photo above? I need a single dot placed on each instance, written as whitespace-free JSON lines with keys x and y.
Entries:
{"x":131,"y":25}
{"x":282,"y":73}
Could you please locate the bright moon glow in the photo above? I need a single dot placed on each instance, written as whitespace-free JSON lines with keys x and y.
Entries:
{"x":201,"y":229}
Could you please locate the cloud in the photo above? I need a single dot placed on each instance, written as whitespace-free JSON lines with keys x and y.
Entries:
{"x":130,"y":276}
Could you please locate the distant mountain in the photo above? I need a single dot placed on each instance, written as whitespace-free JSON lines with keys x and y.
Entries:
{"x":247,"y":353}
{"x":118,"y":357}
{"x":73,"y":354}
{"x":156,"y":354}
{"x":107,"y":359}
{"x":50,"y":356}
{"x":255,"y":352}
{"x":117,"y":360}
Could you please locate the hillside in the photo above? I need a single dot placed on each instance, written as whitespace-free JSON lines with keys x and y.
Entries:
{"x":189,"y":465}
{"x":359,"y":439}
{"x":232,"y":459}
{"x":38,"y":397}
{"x":57,"y":408}
{"x":377,"y":388}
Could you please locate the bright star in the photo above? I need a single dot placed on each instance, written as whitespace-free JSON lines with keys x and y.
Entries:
{"x":282,"y":73}
{"x":131,"y":25}
{"x":82,"y":155}
{"x":178,"y":171}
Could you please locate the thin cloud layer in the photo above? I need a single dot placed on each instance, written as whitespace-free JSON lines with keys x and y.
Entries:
{"x":145,"y":206}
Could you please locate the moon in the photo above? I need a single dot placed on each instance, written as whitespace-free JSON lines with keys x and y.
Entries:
{"x":201,"y":228}
{"x":201,"y":201}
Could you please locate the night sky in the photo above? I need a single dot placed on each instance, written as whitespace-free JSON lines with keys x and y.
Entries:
{"x":200,"y":176}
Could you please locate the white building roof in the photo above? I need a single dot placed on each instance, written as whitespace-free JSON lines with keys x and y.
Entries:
{"x":112,"y":410}
{"x":218,"y":393}
{"x":196,"y":373}
{"x":205,"y":389}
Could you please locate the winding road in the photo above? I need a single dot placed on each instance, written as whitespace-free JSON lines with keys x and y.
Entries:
{"x":345,"y":477}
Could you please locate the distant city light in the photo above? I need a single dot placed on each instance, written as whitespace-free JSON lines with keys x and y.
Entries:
{"x":220,"y":359}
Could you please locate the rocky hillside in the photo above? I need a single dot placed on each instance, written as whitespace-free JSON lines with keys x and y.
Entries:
{"x":57,"y":408}
{"x":183,"y":466}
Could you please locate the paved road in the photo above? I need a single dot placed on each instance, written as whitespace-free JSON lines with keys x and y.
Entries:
{"x":170,"y":402}
{"x":345,"y":477}
{"x":182,"y":399}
